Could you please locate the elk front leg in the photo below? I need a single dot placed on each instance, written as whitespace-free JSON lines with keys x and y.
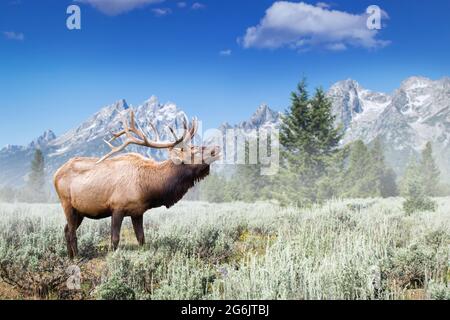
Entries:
{"x":116,"y":224}
{"x":68,"y":236}
{"x":138,"y":226}
{"x":70,"y":230}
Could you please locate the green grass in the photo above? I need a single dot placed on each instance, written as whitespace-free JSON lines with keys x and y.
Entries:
{"x":352,"y":249}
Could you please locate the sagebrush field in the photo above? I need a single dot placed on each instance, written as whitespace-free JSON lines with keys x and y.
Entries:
{"x":352,"y":249}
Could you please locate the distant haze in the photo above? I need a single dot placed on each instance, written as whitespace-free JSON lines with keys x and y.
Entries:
{"x":417,"y":112}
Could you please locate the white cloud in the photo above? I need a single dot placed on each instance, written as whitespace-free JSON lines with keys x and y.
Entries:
{"x":302,"y":26}
{"x":198,"y":6}
{"x":116,"y":7}
{"x":12,"y":35}
{"x":225,"y":53}
{"x":323,"y":5}
{"x":336,"y":47}
{"x":160,"y":12}
{"x":181,"y":4}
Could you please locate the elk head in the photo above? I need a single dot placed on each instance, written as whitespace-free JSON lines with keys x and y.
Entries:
{"x":181,"y":150}
{"x":185,"y":153}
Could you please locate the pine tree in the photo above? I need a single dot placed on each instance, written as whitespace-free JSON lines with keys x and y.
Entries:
{"x":358,"y":184}
{"x":332,"y":184}
{"x":382,"y":177}
{"x":367,"y":174}
{"x":389,"y":184}
{"x":252,"y":185}
{"x":413,"y":189}
{"x":36,"y":179}
{"x":295,"y":123}
{"x":325,"y":135}
{"x":308,"y":137}
{"x":429,"y":170}
{"x":293,"y":174}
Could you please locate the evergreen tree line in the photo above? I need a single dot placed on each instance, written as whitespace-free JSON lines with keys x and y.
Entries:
{"x":315,"y":168}
{"x":420,"y":182}
{"x":36,"y":189}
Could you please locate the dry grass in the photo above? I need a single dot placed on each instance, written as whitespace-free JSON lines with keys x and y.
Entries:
{"x":352,"y":249}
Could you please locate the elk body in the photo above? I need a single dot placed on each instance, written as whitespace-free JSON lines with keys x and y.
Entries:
{"x":129,"y":185}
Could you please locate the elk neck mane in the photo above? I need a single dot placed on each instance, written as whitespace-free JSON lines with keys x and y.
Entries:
{"x":168,"y":180}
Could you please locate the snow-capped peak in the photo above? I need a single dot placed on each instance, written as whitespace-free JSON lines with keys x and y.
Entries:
{"x":415,"y":82}
{"x":351,"y":102}
{"x":48,"y":135}
{"x":417,"y":112}
{"x":264,"y":114}
{"x":119,"y":105}
{"x":11,"y":148}
{"x":263,"y":117}
{"x":152,"y":103}
{"x":43,"y":140}
{"x":346,"y":85}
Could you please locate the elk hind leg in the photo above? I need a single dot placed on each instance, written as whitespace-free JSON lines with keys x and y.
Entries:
{"x":138,"y":226}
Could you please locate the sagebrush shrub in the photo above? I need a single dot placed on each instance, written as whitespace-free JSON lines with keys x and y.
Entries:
{"x":439,"y":291}
{"x":350,"y":249}
{"x":419,"y":204}
{"x":115,"y":289}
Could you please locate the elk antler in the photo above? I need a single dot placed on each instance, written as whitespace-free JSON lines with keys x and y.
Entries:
{"x":139,"y":138}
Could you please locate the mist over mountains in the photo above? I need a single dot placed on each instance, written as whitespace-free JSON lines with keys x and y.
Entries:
{"x":417,"y":112}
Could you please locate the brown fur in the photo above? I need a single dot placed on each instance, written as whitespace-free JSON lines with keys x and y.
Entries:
{"x":127,"y":185}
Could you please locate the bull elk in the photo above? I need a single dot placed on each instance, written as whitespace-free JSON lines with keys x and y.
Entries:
{"x":128,"y":185}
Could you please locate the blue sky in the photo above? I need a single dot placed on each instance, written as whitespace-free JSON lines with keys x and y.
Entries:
{"x":217,"y":60}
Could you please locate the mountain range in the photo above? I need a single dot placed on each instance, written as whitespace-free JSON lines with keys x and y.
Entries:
{"x":417,"y":112}
{"x":405,"y":120}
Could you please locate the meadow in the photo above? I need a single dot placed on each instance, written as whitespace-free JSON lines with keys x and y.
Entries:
{"x":344,"y":249}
